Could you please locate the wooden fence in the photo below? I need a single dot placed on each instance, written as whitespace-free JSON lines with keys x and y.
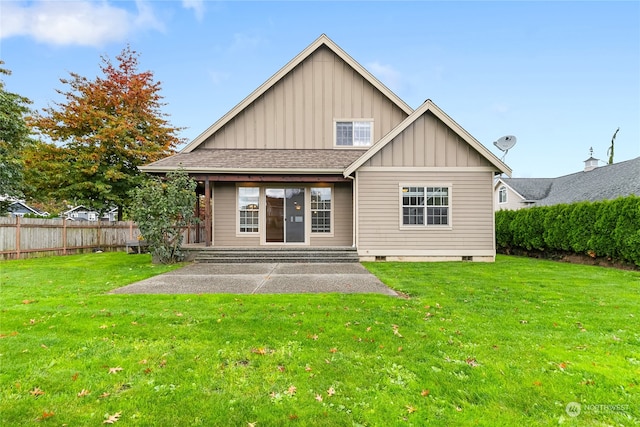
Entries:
{"x":33,"y":237}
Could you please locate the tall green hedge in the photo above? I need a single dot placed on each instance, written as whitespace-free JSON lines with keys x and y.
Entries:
{"x":610,"y":228}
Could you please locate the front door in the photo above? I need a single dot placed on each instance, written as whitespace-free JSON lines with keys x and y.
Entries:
{"x":285,"y":215}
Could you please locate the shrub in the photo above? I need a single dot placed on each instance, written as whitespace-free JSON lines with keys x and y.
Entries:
{"x":609,"y":228}
{"x":163,"y":210}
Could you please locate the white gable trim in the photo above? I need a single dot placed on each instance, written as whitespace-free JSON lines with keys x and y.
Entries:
{"x":500,"y":182}
{"x":322,"y":40}
{"x":428,"y":105}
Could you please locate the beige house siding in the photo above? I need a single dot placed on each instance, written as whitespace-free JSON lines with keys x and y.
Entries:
{"x":342,"y":219}
{"x":428,"y":142}
{"x":225,"y":217}
{"x":514,"y":200}
{"x":224,"y":223}
{"x":298,"y":112}
{"x":379,"y":230}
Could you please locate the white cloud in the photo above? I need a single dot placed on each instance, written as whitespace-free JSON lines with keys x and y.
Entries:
{"x":81,"y":22}
{"x":245,"y":41}
{"x":386,"y":74}
{"x":197,"y":6}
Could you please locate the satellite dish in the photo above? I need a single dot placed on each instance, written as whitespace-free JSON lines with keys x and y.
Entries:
{"x":505,"y":144}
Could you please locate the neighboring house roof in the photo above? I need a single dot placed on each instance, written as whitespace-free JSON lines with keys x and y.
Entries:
{"x":602,"y":183}
{"x":428,"y":105}
{"x":529,"y":189}
{"x":18,"y":206}
{"x":256,"y":160}
{"x":323,"y":40}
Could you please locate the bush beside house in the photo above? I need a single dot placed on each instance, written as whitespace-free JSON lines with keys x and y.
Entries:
{"x":608,"y":229}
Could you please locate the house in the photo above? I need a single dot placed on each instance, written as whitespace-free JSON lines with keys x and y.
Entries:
{"x":20,"y":208}
{"x":324,"y":154}
{"x":592,"y":184}
{"x":82,"y":213}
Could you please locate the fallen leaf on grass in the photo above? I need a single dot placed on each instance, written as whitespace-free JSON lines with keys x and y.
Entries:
{"x":112,"y":418}
{"x":333,"y":350}
{"x":115,"y":370}
{"x":471,"y":361}
{"x":318,"y":398}
{"x":36,"y":392}
{"x":103,"y":395}
{"x":253,"y":424}
{"x":12,"y":334}
{"x":83,"y":393}
{"x":46,"y":415}
{"x":75,"y":376}
{"x":291,"y":390}
{"x":331,"y":391}
{"x":425,"y":393}
{"x":396,"y":331}
{"x":410,"y":409}
{"x":28,"y":301}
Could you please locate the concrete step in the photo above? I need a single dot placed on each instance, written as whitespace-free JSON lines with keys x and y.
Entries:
{"x":277,"y":255}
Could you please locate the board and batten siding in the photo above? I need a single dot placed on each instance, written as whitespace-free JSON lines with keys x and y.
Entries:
{"x":428,"y":142}
{"x":225,"y":218}
{"x":298,"y":112}
{"x":379,"y":230}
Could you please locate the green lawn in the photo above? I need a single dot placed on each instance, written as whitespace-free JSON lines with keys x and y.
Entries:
{"x":510,"y":343}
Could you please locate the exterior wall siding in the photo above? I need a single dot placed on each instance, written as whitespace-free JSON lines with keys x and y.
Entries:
{"x":225,"y":226}
{"x":472,"y":220}
{"x":428,"y":142}
{"x":298,"y":112}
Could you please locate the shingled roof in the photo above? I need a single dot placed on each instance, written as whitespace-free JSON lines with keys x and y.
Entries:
{"x":602,"y":183}
{"x":256,"y":160}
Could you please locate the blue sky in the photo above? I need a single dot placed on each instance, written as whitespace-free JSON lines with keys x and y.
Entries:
{"x":560,"y":76}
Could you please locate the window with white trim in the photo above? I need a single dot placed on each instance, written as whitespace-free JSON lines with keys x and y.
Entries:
{"x":354,"y":133}
{"x":321,"y":210}
{"x":425,"y":206}
{"x":502,"y":195}
{"x":248,"y":209}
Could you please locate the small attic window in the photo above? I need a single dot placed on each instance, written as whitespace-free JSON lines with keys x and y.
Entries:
{"x":353,"y":133}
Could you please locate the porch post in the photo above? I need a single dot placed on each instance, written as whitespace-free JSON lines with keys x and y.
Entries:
{"x":207,"y":210}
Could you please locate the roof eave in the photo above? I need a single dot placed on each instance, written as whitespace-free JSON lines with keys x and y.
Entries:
{"x":252,"y":171}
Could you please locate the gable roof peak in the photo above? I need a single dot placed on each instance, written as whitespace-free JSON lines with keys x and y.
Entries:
{"x":322,"y":40}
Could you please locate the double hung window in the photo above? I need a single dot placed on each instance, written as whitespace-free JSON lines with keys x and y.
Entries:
{"x":248,"y":209}
{"x":321,"y":210}
{"x":425,"y":206}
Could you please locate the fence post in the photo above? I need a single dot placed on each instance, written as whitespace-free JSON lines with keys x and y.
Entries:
{"x":17,"y":237}
{"x":64,"y":236}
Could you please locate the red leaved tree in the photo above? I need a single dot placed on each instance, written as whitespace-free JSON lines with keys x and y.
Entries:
{"x":103,"y":131}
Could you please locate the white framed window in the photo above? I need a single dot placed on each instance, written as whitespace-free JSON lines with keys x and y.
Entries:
{"x":353,"y":133}
{"x":248,"y":209}
{"x":321,"y":209}
{"x":502,"y":194}
{"x":425,"y":206}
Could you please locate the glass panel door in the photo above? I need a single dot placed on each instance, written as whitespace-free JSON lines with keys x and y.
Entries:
{"x":294,"y":209}
{"x":285,"y":215}
{"x":275,"y":215}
